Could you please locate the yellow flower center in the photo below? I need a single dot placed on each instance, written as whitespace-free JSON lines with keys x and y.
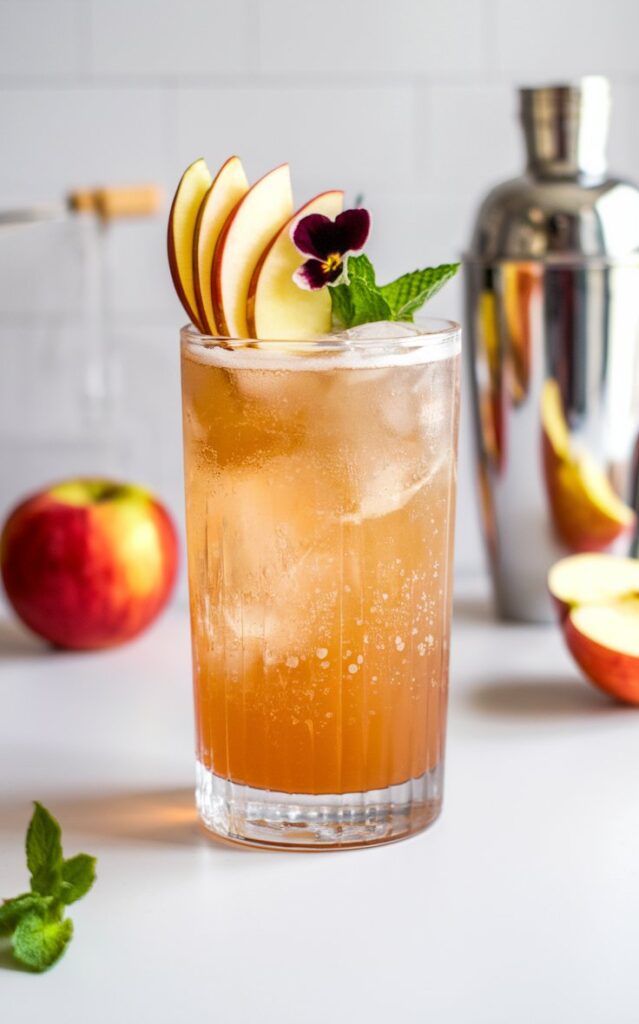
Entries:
{"x":332,"y":262}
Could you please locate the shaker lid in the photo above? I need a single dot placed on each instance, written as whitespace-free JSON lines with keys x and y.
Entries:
{"x":565,"y":208}
{"x":566,"y":128}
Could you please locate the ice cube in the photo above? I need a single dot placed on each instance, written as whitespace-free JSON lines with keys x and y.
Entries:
{"x":393,"y":485}
{"x":381,"y":330}
{"x":268,"y":550}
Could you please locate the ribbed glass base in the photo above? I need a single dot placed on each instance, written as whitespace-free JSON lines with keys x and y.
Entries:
{"x":263,"y":817}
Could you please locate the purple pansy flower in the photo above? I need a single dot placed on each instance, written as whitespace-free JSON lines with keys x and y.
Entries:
{"x":328,"y":242}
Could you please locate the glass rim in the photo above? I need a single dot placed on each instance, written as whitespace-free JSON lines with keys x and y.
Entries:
{"x":431,"y":331}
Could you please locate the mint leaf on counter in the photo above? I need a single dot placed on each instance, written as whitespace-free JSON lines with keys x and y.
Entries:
{"x":410,"y":291}
{"x":78,"y":875}
{"x":44,"y":852}
{"x":35,"y":920}
{"x":11,"y":911}
{"x":39,"y":940}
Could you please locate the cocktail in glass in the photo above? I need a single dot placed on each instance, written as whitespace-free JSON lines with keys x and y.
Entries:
{"x":320,"y":488}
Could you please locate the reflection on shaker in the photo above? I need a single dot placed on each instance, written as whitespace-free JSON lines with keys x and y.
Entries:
{"x":584,"y":509}
{"x":492,"y":397}
{"x":522,"y":285}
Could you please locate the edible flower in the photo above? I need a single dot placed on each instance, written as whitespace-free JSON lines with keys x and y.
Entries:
{"x":328,"y":243}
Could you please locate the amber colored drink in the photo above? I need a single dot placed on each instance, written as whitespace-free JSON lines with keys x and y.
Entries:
{"x":320,"y":486}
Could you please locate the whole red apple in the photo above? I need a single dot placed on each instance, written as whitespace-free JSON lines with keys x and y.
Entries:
{"x":88,"y":563}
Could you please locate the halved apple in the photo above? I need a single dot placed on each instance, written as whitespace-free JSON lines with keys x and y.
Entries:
{"x":227,"y":188}
{"x":277,"y":307}
{"x":592,"y":579}
{"x":605,"y":644}
{"x":258,"y":216}
{"x":586,"y":512}
{"x":598,"y":601}
{"x":191,"y":190}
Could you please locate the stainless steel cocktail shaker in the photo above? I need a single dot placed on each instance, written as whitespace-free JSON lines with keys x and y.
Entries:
{"x":552,"y":328}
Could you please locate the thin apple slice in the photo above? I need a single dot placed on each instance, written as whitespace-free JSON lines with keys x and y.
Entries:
{"x":604,"y":641}
{"x":227,"y":188}
{"x":193,"y":186}
{"x":258,"y":216}
{"x":277,"y":307}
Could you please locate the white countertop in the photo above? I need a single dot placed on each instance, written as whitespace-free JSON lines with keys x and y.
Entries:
{"x":520,"y":906}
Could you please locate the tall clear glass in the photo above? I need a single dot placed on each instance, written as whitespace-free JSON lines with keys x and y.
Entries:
{"x":320,"y":492}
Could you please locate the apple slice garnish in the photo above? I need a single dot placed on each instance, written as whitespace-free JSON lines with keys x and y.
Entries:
{"x":227,"y":188}
{"x":277,"y":307}
{"x":586,"y":512}
{"x":190,"y":192}
{"x":597,"y":597}
{"x":258,"y":216}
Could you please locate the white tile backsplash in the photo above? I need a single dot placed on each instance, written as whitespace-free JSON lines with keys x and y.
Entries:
{"x":349,"y":137}
{"x":407,"y":37}
{"x":40,"y":38}
{"x":56,"y":138}
{"x":559,"y":38}
{"x":470,"y":137}
{"x":411,"y":103}
{"x":138,"y":277}
{"x":172,"y":37}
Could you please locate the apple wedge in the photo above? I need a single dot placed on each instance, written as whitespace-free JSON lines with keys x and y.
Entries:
{"x":227,"y":188}
{"x":597,"y":597}
{"x":191,"y":190}
{"x":258,"y":216}
{"x":277,"y":308}
{"x":586,"y":512}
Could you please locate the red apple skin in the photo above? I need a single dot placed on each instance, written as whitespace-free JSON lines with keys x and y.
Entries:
{"x":87,"y":576}
{"x":561,"y":607}
{"x":216,"y":266}
{"x":615,"y":673}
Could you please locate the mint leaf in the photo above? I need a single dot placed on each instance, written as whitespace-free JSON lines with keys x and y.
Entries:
{"x":360,"y":268}
{"x":35,"y":919}
{"x":39,"y":940}
{"x":369,"y":304}
{"x":78,"y":875}
{"x":409,"y":293}
{"x":357,"y":299}
{"x":44,"y":852}
{"x":11,"y":911}
{"x":342,"y":303}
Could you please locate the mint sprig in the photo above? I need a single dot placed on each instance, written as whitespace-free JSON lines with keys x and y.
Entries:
{"x":35,"y":920}
{"x":409,"y":292}
{"x":358,"y":299}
